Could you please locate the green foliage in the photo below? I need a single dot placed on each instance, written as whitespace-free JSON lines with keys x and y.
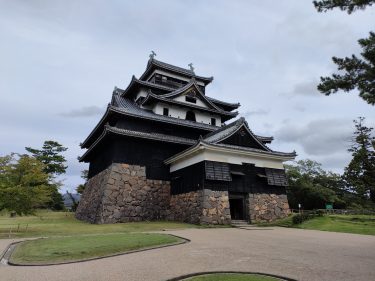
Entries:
{"x":344,"y":5}
{"x":54,"y":162}
{"x":50,"y":156}
{"x":358,"y":73}
{"x":313,"y":187}
{"x":359,"y":175}
{"x":300,"y":218}
{"x":84,"y":175}
{"x":80,"y":188}
{"x":23,"y":184}
{"x":56,"y":201}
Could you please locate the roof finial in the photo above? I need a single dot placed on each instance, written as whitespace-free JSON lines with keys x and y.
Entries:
{"x":152,"y":55}
{"x":191,"y":67}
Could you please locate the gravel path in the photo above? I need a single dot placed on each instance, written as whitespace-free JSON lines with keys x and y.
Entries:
{"x":299,"y":254}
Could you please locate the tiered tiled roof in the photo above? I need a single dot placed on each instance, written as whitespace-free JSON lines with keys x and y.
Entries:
{"x":126,"y":107}
{"x":169,"y":98}
{"x":153,"y":63}
{"x":123,"y":103}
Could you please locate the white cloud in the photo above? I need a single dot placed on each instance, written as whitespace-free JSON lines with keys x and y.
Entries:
{"x":86,"y":111}
{"x":319,"y":137}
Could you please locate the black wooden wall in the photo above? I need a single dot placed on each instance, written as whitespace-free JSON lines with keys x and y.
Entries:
{"x":133,"y":151}
{"x":151,"y":126}
{"x":193,"y":178}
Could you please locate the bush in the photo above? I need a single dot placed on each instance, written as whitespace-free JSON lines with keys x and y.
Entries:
{"x":300,"y":218}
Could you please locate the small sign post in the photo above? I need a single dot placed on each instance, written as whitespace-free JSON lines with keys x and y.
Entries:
{"x":329,"y":206}
{"x":299,"y":208}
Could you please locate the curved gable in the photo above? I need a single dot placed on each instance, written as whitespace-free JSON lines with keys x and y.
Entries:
{"x":242,"y":137}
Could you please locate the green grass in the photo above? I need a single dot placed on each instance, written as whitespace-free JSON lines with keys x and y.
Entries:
{"x":63,"y":249}
{"x":358,"y":224}
{"x":48,"y":223}
{"x":231,"y":277}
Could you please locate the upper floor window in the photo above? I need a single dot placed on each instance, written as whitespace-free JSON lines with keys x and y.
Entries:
{"x":190,"y":115}
{"x":165,"y":111}
{"x":213,"y":121}
{"x":191,"y":99}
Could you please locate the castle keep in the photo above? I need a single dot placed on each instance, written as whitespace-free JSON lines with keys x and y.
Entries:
{"x":166,"y":150}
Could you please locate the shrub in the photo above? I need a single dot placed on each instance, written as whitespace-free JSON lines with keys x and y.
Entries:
{"x":300,"y":218}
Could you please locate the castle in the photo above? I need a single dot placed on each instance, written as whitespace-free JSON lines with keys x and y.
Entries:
{"x":164,"y":150}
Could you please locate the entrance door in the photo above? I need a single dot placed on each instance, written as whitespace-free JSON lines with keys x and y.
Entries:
{"x":237,"y":208}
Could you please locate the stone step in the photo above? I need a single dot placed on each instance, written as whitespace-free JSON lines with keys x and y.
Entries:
{"x":239,"y":223}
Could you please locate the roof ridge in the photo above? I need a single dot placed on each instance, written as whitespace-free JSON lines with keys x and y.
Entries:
{"x":235,"y":122}
{"x":180,"y":103}
{"x":187,"y":86}
{"x":176,"y":68}
{"x":223,"y":102}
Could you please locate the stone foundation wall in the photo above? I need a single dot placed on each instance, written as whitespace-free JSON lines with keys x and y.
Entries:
{"x":90,"y":205}
{"x":215,"y":208}
{"x":267,"y":207}
{"x":201,"y":207}
{"x":186,"y":207}
{"x":122,"y":193}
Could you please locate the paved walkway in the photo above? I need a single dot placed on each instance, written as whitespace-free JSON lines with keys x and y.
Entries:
{"x":299,"y":254}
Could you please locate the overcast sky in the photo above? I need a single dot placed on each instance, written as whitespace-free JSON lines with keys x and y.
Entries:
{"x":60,"y":60}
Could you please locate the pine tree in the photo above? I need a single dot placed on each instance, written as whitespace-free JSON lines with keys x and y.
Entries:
{"x":50,"y":155}
{"x":360,"y":173}
{"x":357,"y":73}
{"x":54,"y":164}
{"x":344,"y":5}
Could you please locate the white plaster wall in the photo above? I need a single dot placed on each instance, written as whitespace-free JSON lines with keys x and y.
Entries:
{"x":226,"y":157}
{"x":142,"y":93}
{"x":198,"y":103}
{"x":180,"y":112}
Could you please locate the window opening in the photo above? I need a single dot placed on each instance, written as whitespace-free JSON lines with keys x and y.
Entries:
{"x":190,"y":115}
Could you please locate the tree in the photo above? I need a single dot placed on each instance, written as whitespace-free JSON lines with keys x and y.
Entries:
{"x":23,"y":184}
{"x":84,"y":175}
{"x":313,"y":187}
{"x":50,"y":155}
{"x":344,"y":5}
{"x":357,"y":73}
{"x":360,"y":173}
{"x":54,"y":162}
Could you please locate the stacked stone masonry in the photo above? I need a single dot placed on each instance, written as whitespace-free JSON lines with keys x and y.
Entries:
{"x":265,"y":207}
{"x":202,"y":207}
{"x":122,"y":193}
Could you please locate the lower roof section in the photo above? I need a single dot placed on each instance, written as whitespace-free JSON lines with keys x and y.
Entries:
{"x":135,"y":134}
{"x":228,"y":154}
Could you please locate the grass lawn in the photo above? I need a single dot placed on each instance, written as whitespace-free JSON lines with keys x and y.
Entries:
{"x":358,"y":224}
{"x":62,"y":249}
{"x":231,"y":277}
{"x":48,"y":223}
